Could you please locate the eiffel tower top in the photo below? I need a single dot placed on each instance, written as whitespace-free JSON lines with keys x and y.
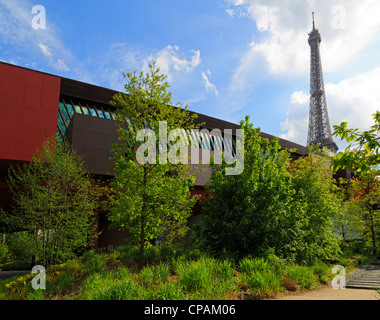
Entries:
{"x":314,"y":34}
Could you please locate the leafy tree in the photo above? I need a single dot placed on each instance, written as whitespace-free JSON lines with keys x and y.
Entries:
{"x":272,"y":205}
{"x":54,"y":200}
{"x":151,"y":197}
{"x":365,"y":194}
{"x":363,"y":155}
{"x":363,"y":151}
{"x":346,"y":221}
{"x":316,"y":197}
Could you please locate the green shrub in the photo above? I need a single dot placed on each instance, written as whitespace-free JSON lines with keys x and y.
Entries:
{"x":3,"y":253}
{"x":63,"y":281}
{"x":264,"y":284}
{"x":249,"y":265}
{"x":128,"y":254}
{"x":301,"y":275}
{"x":94,"y":262}
{"x":152,"y":255}
{"x":154,"y":274}
{"x":194,"y":275}
{"x":36,"y":294}
{"x":111,"y":286}
{"x":323,"y":272}
{"x":168,"y":291}
{"x":206,"y":278}
{"x":22,"y":248}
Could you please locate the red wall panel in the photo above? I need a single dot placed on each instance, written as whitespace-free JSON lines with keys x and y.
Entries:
{"x":28,"y":110}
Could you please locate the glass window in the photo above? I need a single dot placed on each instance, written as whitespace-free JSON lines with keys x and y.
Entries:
{"x":107,"y":114}
{"x":70,"y":108}
{"x":63,"y":110}
{"x":93,"y":112}
{"x":100,"y":113}
{"x":212,"y":143}
{"x":77,"y":109}
{"x":85,"y":109}
{"x":59,"y":137}
{"x":61,"y":124}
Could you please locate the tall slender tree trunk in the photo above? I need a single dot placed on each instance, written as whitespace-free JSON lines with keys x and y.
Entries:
{"x":373,"y":234}
{"x":142,"y":230}
{"x":142,"y":240}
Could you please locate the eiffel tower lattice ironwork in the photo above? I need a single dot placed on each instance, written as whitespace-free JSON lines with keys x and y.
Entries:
{"x":319,"y":123}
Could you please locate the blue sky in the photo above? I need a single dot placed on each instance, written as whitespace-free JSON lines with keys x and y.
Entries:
{"x":224,"y":58}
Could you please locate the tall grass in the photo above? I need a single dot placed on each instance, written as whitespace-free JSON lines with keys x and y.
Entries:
{"x":169,"y":274}
{"x":264,"y":277}
{"x":206,"y":278}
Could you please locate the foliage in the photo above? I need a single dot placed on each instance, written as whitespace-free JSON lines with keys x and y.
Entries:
{"x":346,"y":221}
{"x":318,"y":207}
{"x":274,"y":203}
{"x":4,"y":251}
{"x":152,"y":199}
{"x":54,"y":202}
{"x":242,"y":211}
{"x":21,"y":247}
{"x":362,"y":153}
{"x":365,"y":194}
{"x":182,"y":278}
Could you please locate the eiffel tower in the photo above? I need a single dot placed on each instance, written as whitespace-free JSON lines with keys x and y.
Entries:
{"x":319,"y":124}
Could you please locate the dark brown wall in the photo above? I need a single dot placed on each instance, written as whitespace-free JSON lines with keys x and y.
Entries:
{"x":92,"y":138}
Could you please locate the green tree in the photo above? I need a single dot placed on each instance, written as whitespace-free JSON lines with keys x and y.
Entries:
{"x":151,"y":196}
{"x":363,"y":152}
{"x":363,"y":156}
{"x":365,"y":194}
{"x":346,"y":221}
{"x":272,"y":205}
{"x":54,"y":200}
{"x":319,"y":205}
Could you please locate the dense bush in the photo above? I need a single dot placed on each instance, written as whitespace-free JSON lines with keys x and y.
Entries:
{"x":21,"y":247}
{"x":3,"y":253}
{"x":275,"y":203}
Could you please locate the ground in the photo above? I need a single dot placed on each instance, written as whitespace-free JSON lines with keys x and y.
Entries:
{"x":329,"y":293}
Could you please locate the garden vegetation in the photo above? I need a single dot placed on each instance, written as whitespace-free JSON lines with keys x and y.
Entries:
{"x":277,"y":227}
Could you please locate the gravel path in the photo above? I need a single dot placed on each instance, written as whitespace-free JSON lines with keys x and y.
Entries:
{"x":329,"y":293}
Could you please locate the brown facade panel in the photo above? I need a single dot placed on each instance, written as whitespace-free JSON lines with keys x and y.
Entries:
{"x":92,"y":138}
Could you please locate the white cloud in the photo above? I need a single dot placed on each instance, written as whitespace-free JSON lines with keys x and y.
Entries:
{"x":299,"y":97}
{"x":296,"y":122}
{"x":45,"y":50}
{"x":61,"y":66}
{"x":208,"y":85}
{"x":171,"y":61}
{"x":230,"y":12}
{"x":284,"y":26}
{"x":352,"y":100}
